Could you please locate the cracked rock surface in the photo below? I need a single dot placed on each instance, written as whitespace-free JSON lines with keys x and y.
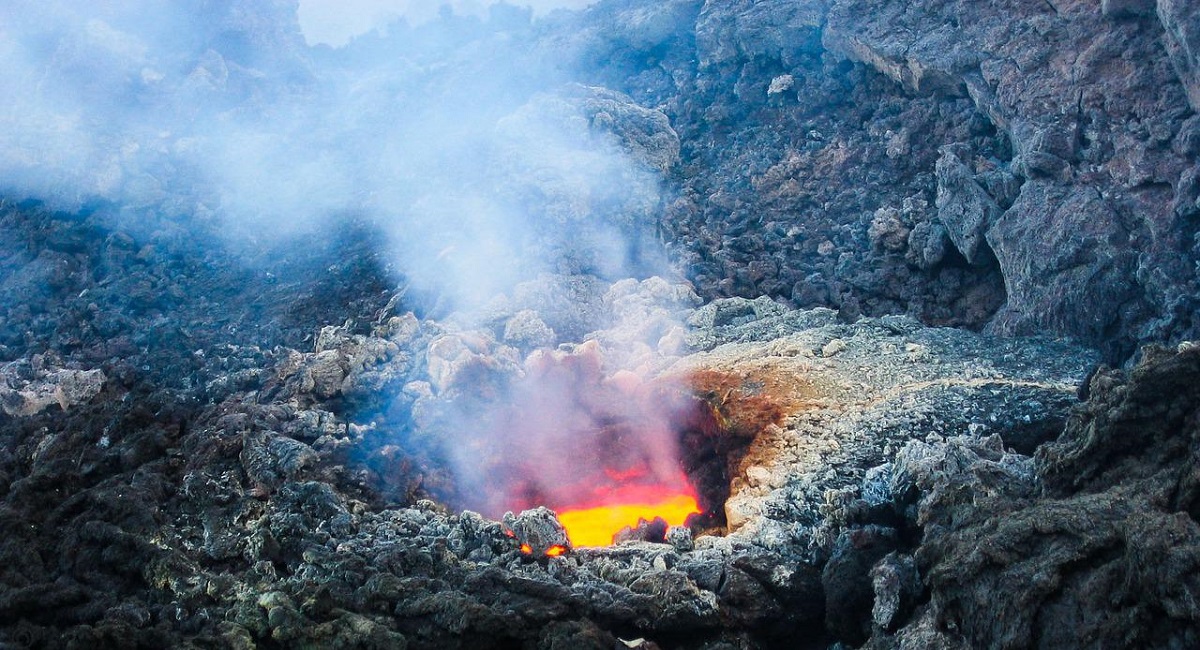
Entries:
{"x":903,"y":235}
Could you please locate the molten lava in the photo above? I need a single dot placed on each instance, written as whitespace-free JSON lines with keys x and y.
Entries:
{"x":553,"y":551}
{"x":598,"y":446}
{"x":596,"y":525}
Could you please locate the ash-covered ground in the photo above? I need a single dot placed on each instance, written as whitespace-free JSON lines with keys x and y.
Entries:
{"x":924,"y":275}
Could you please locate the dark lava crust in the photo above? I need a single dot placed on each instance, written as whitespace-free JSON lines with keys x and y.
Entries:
{"x":207,"y":447}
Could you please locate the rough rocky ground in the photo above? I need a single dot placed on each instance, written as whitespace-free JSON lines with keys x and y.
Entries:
{"x":202,"y":450}
{"x":284,"y":515}
{"x":1098,"y":528}
{"x":1023,"y":166}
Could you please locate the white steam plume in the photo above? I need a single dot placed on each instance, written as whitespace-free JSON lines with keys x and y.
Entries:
{"x":450,"y":132}
{"x":336,"y":22}
{"x":455,"y":137}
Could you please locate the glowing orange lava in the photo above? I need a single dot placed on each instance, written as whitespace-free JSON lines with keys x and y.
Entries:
{"x":596,"y":526}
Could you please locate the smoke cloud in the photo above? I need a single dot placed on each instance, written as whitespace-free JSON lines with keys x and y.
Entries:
{"x":336,"y":22}
{"x":448,"y":129}
{"x":571,"y":433}
{"x":457,"y":137}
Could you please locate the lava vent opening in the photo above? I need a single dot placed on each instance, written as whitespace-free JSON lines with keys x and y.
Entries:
{"x":727,"y":414}
{"x":614,"y":455}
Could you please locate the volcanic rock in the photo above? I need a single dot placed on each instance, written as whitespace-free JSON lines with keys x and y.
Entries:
{"x":286,"y":517}
{"x":1081,"y":106}
{"x":1181,"y":24}
{"x":253,"y":442}
{"x":1089,"y":550}
{"x":537,"y":532}
{"x":830,"y":419}
{"x":1021,"y":86}
{"x":28,"y":396}
{"x":275,"y":535}
{"x":525,"y":329}
{"x":889,"y":379}
{"x":964,"y":208}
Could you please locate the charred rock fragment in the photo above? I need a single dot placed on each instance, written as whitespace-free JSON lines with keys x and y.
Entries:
{"x":537,"y":533}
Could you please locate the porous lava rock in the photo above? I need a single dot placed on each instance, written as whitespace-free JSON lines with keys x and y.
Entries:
{"x":206,"y":445}
{"x":1098,"y":528}
{"x":286,"y":516}
{"x":1033,"y":161}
